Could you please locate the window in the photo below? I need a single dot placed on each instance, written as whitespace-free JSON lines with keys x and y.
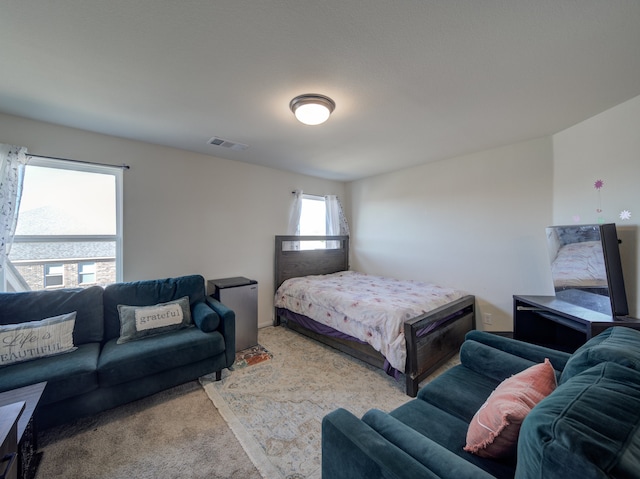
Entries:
{"x":86,"y":273}
{"x":70,"y":220}
{"x":53,"y":275}
{"x":313,"y":221}
{"x":313,"y":217}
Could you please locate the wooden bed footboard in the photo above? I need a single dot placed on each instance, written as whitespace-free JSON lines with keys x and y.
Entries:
{"x":427,"y":353}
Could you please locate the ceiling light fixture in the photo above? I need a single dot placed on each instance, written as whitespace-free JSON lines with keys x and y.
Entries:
{"x":311,"y":108}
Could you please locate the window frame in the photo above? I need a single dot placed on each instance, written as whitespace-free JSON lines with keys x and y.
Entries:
{"x":47,"y":274}
{"x":82,"y":274}
{"x":87,"y":167}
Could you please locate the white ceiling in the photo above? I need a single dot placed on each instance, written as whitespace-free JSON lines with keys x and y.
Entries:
{"x":414,"y":81}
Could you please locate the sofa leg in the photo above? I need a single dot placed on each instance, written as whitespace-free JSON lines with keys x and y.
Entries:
{"x":218,"y":375}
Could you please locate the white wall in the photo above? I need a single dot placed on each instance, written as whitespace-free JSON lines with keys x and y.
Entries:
{"x":184,"y":213}
{"x":474,"y":222}
{"x":605,"y":147}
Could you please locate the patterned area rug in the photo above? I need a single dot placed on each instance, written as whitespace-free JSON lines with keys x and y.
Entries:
{"x":275,"y":408}
{"x":250,"y":357}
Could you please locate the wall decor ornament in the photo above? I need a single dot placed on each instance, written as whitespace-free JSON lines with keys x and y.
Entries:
{"x":625,"y":215}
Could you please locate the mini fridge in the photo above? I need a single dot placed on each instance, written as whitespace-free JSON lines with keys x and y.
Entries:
{"x":241,"y":295}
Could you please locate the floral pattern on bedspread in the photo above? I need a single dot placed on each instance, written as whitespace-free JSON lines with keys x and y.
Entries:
{"x":370,"y":308}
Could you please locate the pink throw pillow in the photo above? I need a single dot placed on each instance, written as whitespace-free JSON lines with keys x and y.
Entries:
{"x":494,"y":429}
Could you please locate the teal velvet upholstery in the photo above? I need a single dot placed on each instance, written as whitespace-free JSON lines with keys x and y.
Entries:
{"x":588,"y":427}
{"x":352,"y":449}
{"x":147,"y":293}
{"x":37,"y":305}
{"x":68,"y":374}
{"x":155,"y":354}
{"x":620,"y":345}
{"x":437,"y":458}
{"x":530,"y":352}
{"x":456,"y":384}
{"x":227,"y":327}
{"x":205,"y":318}
{"x":102,"y":374}
{"x":496,"y":363}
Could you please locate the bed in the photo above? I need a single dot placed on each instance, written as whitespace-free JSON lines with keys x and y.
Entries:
{"x":577,"y":261}
{"x":428,"y":337}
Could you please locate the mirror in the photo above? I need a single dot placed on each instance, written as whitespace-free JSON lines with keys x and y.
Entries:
{"x":586,"y":267}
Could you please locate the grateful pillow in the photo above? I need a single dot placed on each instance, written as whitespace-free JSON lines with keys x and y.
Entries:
{"x":493,"y":431}
{"x":37,"y":339}
{"x":137,"y":322}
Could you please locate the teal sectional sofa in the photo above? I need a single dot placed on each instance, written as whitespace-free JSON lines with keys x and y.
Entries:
{"x":588,"y":427}
{"x":101,"y":372}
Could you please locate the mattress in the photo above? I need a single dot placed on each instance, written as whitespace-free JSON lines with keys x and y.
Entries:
{"x":370,"y":308}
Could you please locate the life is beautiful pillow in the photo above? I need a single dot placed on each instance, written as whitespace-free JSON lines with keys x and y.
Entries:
{"x":494,"y":429}
{"x":137,"y":322}
{"x":37,"y":339}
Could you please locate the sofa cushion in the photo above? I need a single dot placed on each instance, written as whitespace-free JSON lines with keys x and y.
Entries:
{"x":120,"y":363}
{"x":36,"y":305}
{"x":493,"y":431}
{"x":67,"y":375}
{"x":617,"y":344}
{"x":147,"y":293}
{"x":36,"y":339}
{"x":456,"y":383}
{"x":137,"y":322}
{"x":449,"y":431}
{"x":588,"y":427}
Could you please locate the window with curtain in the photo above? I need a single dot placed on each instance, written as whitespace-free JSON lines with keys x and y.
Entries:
{"x":313,"y":215}
{"x":69,"y":227}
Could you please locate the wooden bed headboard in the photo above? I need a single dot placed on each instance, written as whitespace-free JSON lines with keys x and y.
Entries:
{"x":292,"y":263}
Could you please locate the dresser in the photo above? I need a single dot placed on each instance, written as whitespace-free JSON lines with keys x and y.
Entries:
{"x":563,"y":322}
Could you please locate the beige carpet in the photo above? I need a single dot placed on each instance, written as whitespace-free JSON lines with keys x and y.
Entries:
{"x":176,"y":433}
{"x":276,"y":408}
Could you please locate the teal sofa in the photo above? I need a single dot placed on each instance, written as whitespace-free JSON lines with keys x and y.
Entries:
{"x":101,"y":374}
{"x":587,"y":428}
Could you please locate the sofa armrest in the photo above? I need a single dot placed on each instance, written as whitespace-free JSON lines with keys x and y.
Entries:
{"x":531,"y":352}
{"x":353,"y":450}
{"x":227,"y":327}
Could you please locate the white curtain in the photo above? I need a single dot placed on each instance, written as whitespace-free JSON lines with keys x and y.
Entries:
{"x":12,"y":162}
{"x":336,"y":221}
{"x":294,"y":216}
{"x":294,"y":222}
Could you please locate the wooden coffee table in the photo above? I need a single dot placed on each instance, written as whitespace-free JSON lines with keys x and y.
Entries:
{"x":27,"y":434}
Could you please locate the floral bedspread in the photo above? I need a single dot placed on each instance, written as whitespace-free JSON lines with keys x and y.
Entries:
{"x":370,"y":308}
{"x":579,"y":265}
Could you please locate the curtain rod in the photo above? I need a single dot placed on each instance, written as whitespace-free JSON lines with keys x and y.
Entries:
{"x":309,"y":194}
{"x":123,"y":166}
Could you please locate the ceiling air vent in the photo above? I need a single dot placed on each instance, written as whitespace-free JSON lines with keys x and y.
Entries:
{"x":215,"y":141}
